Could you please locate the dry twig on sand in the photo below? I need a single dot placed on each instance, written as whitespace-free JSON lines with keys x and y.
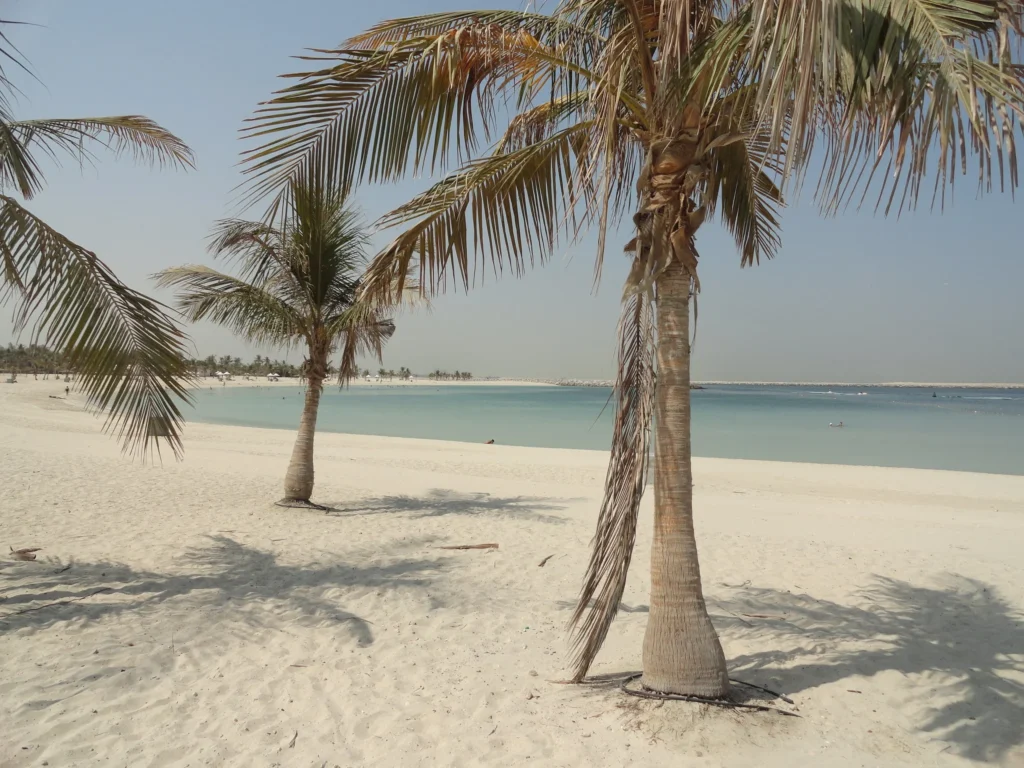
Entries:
{"x":471,"y":546}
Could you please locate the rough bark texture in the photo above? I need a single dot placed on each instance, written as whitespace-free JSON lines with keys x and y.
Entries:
{"x":298,"y":482}
{"x":682,"y":653}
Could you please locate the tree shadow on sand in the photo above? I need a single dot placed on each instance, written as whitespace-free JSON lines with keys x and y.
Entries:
{"x":439,"y":502}
{"x":240,"y":582}
{"x":961,"y":645}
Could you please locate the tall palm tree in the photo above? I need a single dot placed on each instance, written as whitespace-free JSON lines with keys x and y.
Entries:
{"x":128,"y":351}
{"x":669,"y":112}
{"x":299,"y":275}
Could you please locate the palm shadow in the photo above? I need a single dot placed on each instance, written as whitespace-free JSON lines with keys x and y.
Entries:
{"x":439,"y":502}
{"x":962,"y":642}
{"x":243,"y":583}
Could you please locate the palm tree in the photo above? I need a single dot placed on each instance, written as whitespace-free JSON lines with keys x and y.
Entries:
{"x":299,"y":275}
{"x":673,"y":111}
{"x":129,"y":352}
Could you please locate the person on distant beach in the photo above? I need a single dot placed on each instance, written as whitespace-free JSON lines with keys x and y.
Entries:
{"x":490,"y":442}
{"x":67,"y":391}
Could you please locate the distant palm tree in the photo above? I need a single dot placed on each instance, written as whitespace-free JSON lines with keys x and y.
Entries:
{"x":129,"y":352}
{"x":299,"y":276}
{"x":671,"y":111}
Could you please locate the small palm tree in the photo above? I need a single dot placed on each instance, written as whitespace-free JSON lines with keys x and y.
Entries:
{"x":128,"y":351}
{"x":298,"y":283}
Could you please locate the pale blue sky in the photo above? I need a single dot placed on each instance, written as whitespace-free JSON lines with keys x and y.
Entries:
{"x":929,"y":297}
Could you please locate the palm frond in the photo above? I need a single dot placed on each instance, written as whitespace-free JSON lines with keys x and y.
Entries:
{"x":256,"y":247}
{"x":511,"y":207}
{"x":626,"y":480}
{"x":412,"y":104}
{"x":129,"y":352}
{"x":133,"y":135}
{"x":251,"y":311}
{"x":557,"y":30}
{"x":538,"y":123}
{"x":750,"y":203}
{"x":9,"y":54}
{"x":898,"y":88}
{"x":363,"y":329}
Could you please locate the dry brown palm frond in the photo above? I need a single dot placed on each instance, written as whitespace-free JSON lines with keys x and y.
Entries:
{"x":626,"y":481}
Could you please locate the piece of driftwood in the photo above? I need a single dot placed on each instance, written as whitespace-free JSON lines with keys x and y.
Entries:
{"x":26,"y":553}
{"x":544,"y":562}
{"x":471,"y":546}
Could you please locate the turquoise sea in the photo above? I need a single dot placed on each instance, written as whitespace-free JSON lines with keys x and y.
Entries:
{"x":961,"y":429}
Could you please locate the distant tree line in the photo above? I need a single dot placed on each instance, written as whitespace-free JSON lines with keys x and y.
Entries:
{"x":445,"y":376}
{"x":404,"y":374}
{"x":33,"y":359}
{"x":40,"y":360}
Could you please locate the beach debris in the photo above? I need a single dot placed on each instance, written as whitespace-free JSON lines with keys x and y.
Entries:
{"x":851,"y":690}
{"x":544,"y":562}
{"x":471,"y":546}
{"x":291,"y":743}
{"x":65,"y":568}
{"x":26,"y":553}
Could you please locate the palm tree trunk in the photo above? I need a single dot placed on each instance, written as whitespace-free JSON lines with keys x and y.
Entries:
{"x":298,"y":482}
{"x":682,"y":653}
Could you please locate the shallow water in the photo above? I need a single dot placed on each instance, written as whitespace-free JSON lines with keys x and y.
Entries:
{"x":962,"y":429}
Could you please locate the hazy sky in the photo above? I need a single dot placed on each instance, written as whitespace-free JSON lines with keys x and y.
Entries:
{"x":929,"y":297}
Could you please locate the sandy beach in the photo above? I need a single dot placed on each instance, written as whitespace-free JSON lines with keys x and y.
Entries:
{"x":175,"y":617}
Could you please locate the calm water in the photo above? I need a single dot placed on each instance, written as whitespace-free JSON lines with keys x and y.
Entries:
{"x":969,"y":429}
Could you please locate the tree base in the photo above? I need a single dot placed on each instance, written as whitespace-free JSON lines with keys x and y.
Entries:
{"x":734,"y":700}
{"x":302,"y":504}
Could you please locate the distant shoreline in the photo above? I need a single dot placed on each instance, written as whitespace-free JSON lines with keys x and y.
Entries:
{"x":517,"y":382}
{"x":891,"y":384}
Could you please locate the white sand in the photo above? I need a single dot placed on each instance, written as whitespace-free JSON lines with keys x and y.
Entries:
{"x":886,"y":602}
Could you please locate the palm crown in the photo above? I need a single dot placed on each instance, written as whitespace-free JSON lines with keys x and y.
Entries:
{"x":299,"y":277}
{"x":672,"y":111}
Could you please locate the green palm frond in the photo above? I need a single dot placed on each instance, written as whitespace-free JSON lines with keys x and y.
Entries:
{"x":130,"y":354}
{"x":511,"y":207}
{"x":251,"y":311}
{"x":255,"y":246}
{"x":22,"y":141}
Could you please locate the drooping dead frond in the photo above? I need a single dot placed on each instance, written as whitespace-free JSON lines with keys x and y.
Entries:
{"x":624,"y":485}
